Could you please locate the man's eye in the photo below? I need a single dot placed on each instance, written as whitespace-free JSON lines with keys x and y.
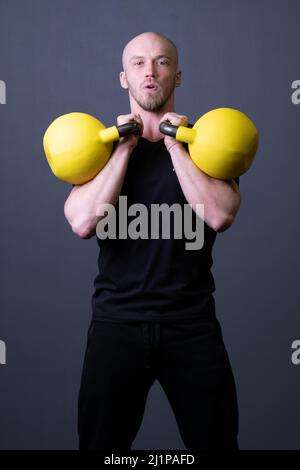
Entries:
{"x":163,"y":62}
{"x":139,"y":62}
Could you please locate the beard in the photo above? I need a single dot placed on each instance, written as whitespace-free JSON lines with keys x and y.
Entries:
{"x":152,"y":101}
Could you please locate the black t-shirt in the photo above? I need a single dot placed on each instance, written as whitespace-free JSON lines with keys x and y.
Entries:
{"x":153,"y":279}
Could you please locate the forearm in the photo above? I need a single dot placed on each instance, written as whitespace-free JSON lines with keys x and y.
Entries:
{"x":81,"y":206}
{"x":221,"y":198}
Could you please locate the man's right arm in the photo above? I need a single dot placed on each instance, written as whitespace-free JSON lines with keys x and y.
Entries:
{"x":81,"y":205}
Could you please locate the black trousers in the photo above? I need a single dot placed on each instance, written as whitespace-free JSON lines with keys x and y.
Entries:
{"x":189,"y":359}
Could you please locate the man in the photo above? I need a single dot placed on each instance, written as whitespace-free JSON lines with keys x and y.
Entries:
{"x":153,"y":308}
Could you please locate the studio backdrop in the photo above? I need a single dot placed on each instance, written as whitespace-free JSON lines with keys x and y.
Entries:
{"x":59,"y":56}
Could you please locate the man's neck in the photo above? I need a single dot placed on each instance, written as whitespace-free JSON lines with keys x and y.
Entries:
{"x":151,"y":120}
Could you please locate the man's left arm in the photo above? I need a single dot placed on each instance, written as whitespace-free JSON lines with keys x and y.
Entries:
{"x":221,"y":198}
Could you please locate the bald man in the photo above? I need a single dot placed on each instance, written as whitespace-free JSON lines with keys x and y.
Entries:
{"x":153,"y":306}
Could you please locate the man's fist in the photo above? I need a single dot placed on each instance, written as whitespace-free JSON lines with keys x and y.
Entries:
{"x":132,"y":139}
{"x":176,"y":120}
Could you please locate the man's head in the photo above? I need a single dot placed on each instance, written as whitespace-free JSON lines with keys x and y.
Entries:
{"x":150,"y":73}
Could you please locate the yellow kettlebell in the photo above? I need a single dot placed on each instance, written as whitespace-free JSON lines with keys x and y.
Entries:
{"x":222,"y":143}
{"x":77,"y":145}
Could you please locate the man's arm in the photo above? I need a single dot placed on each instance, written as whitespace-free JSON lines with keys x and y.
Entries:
{"x":221,"y":198}
{"x":81,"y":205}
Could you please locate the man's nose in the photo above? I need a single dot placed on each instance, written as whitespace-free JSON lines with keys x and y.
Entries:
{"x":150,"y":70}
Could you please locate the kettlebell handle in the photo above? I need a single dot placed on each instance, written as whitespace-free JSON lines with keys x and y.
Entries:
{"x":129,"y":128}
{"x":167,"y":128}
{"x":181,"y":133}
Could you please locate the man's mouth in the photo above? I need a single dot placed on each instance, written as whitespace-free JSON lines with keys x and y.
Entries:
{"x":151,"y":86}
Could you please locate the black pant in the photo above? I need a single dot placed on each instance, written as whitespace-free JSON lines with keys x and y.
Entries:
{"x":189,"y":359}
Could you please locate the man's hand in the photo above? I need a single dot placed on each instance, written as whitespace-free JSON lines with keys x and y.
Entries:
{"x":176,"y":120}
{"x":130,"y":141}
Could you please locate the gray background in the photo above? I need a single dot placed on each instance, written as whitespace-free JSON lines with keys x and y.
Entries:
{"x":63,"y":56}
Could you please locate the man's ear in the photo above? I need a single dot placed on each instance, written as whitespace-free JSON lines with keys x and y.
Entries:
{"x":178,"y":78}
{"x":123,"y":80}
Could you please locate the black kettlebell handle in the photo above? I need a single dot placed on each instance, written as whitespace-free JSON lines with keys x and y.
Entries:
{"x":129,"y":128}
{"x":167,"y":128}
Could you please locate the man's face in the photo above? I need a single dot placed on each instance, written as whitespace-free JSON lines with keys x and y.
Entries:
{"x":150,"y":71}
